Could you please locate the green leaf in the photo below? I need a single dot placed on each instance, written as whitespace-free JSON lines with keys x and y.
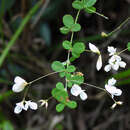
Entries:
{"x":70,"y":84}
{"x":64,"y":30}
{"x":78,"y":47}
{"x":76,"y":79}
{"x":7,"y":126}
{"x":67,"y":44}
{"x":71,"y":68}
{"x":60,"y":107}
{"x":78,"y":5}
{"x":60,"y":85}
{"x":128,"y":46}
{"x":90,"y":10}
{"x":89,"y":3}
{"x":76,"y":27}
{"x":68,"y":20}
{"x":72,"y":104}
{"x":62,"y":74}
{"x":60,"y":95}
{"x":57,"y":66}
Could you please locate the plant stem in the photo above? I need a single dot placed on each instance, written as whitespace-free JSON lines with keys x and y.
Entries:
{"x":118,"y":53}
{"x":71,"y":40}
{"x":119,"y":27}
{"x":42,"y":77}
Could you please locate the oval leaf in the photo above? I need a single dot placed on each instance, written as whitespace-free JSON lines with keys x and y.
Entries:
{"x":57,"y":66}
{"x":68,"y":20}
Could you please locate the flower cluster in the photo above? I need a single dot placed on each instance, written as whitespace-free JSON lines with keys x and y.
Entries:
{"x":115,"y":60}
{"x":76,"y":90}
{"x":112,"y":89}
{"x":19,"y":86}
{"x":24,"y":105}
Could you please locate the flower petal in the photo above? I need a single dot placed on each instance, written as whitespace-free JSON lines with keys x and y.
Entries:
{"x":93,"y":48}
{"x":118,"y":92}
{"x":83,"y":96}
{"x":99,"y":63}
{"x":17,"y":109}
{"x":115,"y":66}
{"x":32,"y":105}
{"x":107,"y":68}
{"x":75,"y":90}
{"x":122,"y":64}
{"x":19,"y":80}
{"x":111,"y":50}
{"x":18,"y":87}
{"x":110,"y":89}
{"x":111,"y":82}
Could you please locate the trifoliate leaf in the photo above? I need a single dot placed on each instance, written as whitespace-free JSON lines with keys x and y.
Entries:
{"x":60,"y":85}
{"x":90,"y":10}
{"x":64,"y":30}
{"x":57,"y":66}
{"x":68,"y":20}
{"x":78,"y":5}
{"x":76,"y":27}
{"x":71,"y":68}
{"x":67,"y":44}
{"x":60,"y":107}
{"x":128,"y":46}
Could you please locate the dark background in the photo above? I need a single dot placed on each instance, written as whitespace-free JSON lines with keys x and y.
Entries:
{"x":41,"y":43}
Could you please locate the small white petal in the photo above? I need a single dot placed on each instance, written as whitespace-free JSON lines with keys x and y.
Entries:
{"x":93,"y":48}
{"x":75,"y":90}
{"x":118,"y":92}
{"x":122,"y":64}
{"x":23,"y":105}
{"x":83,"y":96}
{"x":19,"y":80}
{"x":112,"y":60}
{"x":117,"y":58}
{"x":111,"y":50}
{"x":18,"y":87}
{"x":110,"y":89}
{"x":17,"y":109}
{"x":115,"y":66}
{"x":111,"y":82}
{"x":107,"y":68}
{"x":32,"y":105}
{"x":99,"y":63}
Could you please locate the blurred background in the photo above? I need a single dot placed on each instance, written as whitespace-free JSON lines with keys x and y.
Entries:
{"x":40,"y":43}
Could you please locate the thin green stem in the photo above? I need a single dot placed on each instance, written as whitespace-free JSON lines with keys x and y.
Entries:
{"x":118,"y":53}
{"x":71,"y":40}
{"x":42,"y":77}
{"x":119,"y":27}
{"x":26,"y":92}
{"x":19,"y":31}
{"x":94,"y":86}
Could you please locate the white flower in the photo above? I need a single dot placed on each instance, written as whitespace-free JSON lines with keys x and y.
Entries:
{"x":94,"y":49}
{"x":19,"y":84}
{"x":77,"y":91}
{"x":112,"y":89}
{"x":111,"y":50}
{"x":114,"y":63}
{"x":44,"y":102}
{"x":24,"y":105}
